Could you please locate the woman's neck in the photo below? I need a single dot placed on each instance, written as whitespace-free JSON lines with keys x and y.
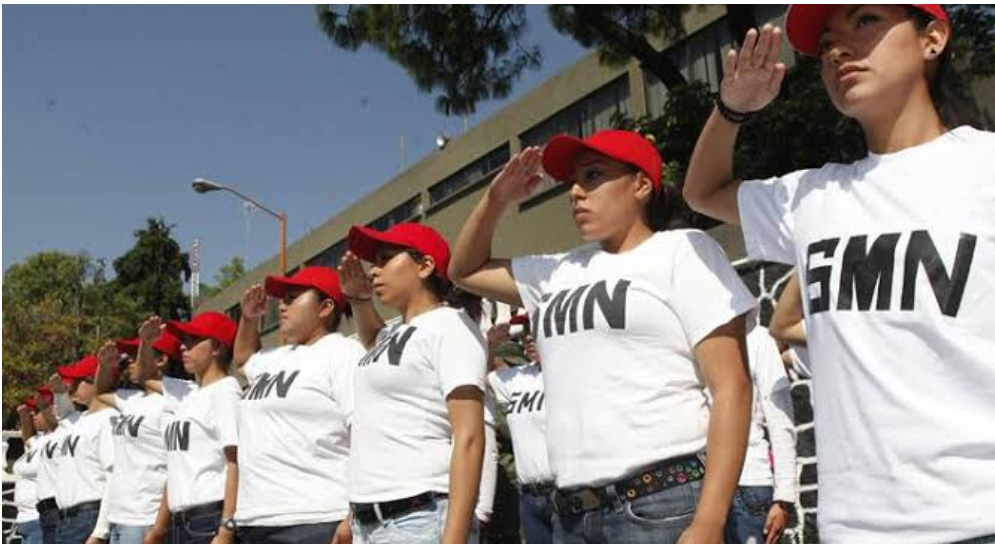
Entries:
{"x":318,"y":333}
{"x":636,"y":234}
{"x":211,"y":375}
{"x":419,"y":303}
{"x":914,"y":123}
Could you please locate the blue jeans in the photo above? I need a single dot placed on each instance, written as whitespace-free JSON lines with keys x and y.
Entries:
{"x":30,"y":532}
{"x":312,"y":533}
{"x":48,"y":514}
{"x":536,"y":514}
{"x":128,"y":534}
{"x":199,"y":529}
{"x":77,"y":528}
{"x":659,"y":518}
{"x":422,"y":526}
{"x":748,"y":514}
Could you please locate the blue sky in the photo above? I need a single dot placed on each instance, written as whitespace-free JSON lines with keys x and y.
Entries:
{"x":109,"y":112}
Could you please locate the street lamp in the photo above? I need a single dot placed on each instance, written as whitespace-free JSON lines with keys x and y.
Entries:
{"x":201,"y":185}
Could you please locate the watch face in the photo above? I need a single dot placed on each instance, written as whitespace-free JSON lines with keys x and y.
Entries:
{"x":230,"y":524}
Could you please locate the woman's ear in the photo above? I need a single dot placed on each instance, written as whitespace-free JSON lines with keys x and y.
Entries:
{"x":935,"y":39}
{"x":426,"y":268}
{"x":644,"y":186}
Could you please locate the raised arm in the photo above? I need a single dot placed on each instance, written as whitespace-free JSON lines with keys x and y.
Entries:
{"x":107,"y":357}
{"x":247,"y":339}
{"x":359,"y":292}
{"x":145,"y":361}
{"x":472,"y":266}
{"x":752,"y":80}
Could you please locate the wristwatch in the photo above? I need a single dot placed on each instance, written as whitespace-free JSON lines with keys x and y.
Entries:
{"x":229,"y":523}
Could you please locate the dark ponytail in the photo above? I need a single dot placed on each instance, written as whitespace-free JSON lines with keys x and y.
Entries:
{"x":951,"y":96}
{"x":449,"y":294}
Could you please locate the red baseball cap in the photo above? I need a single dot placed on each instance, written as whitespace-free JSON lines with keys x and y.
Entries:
{"x":169,"y":345}
{"x":206,"y":325}
{"x":321,"y":278}
{"x":560,"y":153}
{"x":805,"y":22}
{"x":520,"y":319}
{"x":31,"y":403}
{"x":45,"y":394}
{"x":85,"y":368}
{"x":364,"y":242}
{"x":129,"y":346}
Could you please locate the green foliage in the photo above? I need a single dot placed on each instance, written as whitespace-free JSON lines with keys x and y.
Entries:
{"x":57,"y":307}
{"x":153,"y":271}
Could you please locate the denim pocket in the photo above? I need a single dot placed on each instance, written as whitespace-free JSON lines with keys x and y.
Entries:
{"x":756,"y":500}
{"x":671,"y":508}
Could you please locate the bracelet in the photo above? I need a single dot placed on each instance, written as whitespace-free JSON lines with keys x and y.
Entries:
{"x":731,"y":115}
{"x":358,"y":299}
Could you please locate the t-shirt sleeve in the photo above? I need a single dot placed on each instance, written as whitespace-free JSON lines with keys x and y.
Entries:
{"x":531,"y":274}
{"x":705,"y":291}
{"x":460,"y":356}
{"x":225,"y":403}
{"x":765,"y":213}
{"x":342,"y":372}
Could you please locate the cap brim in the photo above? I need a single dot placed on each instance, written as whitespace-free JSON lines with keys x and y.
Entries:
{"x":276,"y":286}
{"x":364,"y":242}
{"x":559,"y":155}
{"x":178,"y":328}
{"x":804,"y":24}
{"x":129,"y":346}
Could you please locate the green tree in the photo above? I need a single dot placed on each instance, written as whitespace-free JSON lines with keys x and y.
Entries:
{"x":225,"y":277}
{"x":152,"y":272}
{"x":57,"y":307}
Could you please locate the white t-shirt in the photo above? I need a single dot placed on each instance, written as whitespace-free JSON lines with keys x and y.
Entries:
{"x":140,"y":455}
{"x":773,"y":412}
{"x":86,"y":458}
{"x":25,"y":482}
{"x":521,"y":396}
{"x":49,"y":447}
{"x":204,"y":423}
{"x":401,"y":435}
{"x":616,"y":335}
{"x":293,"y":453}
{"x":896,"y":256}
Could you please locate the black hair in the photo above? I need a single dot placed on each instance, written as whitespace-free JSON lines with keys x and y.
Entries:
{"x":338,"y":312}
{"x":951,"y":97}
{"x":446,"y":292}
{"x":662,"y":207}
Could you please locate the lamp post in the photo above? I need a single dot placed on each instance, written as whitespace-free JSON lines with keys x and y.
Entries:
{"x":201,"y":185}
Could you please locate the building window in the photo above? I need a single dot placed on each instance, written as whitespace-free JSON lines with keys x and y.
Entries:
{"x":331,"y":256}
{"x":405,"y":212}
{"x":469,"y":175}
{"x":588,"y":115}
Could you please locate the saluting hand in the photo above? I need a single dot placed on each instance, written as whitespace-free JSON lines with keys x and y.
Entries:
{"x":518,"y":178}
{"x":254,"y":302}
{"x":354,"y":281}
{"x":151,"y":329}
{"x":753,"y":76}
{"x":108,"y":355}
